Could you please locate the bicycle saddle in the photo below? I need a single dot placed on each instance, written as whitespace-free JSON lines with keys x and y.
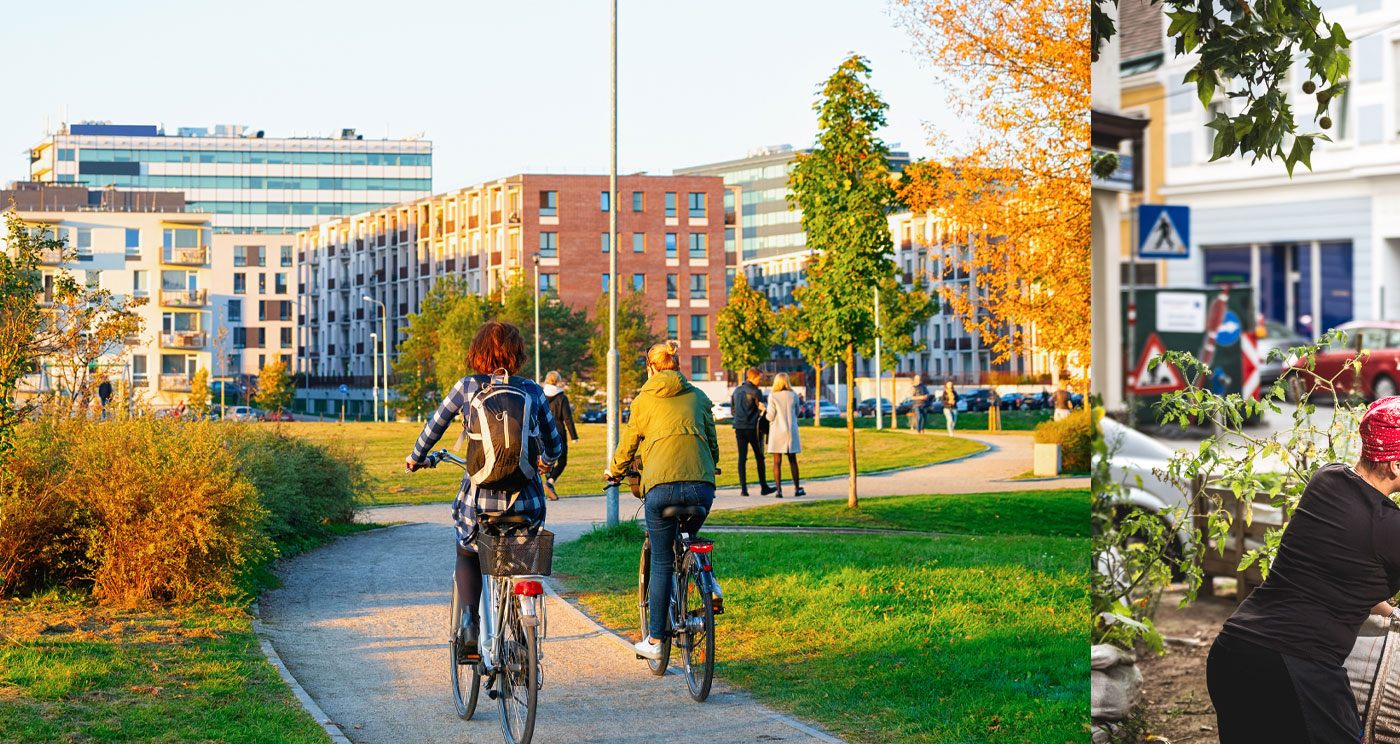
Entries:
{"x":503,"y":519}
{"x":678,"y":510}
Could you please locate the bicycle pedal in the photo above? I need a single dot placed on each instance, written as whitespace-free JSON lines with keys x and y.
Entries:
{"x":492,"y":694}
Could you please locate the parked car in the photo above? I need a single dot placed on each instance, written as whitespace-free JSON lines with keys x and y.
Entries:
{"x":867,"y":407}
{"x":1274,"y":335}
{"x":593,"y":415}
{"x":977,"y":400}
{"x":1380,"y":369}
{"x":1013,"y":402}
{"x":1133,"y":458}
{"x":829,"y":410}
{"x":722,"y":412}
{"x":904,"y":407}
{"x":281,"y":415}
{"x":242,"y":413}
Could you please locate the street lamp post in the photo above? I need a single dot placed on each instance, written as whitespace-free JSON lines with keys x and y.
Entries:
{"x":879,"y":373}
{"x":538,"y":378}
{"x":384,"y":339}
{"x":374,"y":347}
{"x":613,"y":407}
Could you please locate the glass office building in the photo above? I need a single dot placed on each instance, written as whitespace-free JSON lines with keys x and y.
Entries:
{"x":246,"y":182}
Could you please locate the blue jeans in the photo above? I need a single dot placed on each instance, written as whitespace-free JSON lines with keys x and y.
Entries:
{"x":951,"y":415}
{"x":661,"y":532}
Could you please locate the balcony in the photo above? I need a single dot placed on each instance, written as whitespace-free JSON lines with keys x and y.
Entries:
{"x":403,"y":272}
{"x":184,"y":298}
{"x":359,"y":279}
{"x":330,"y":316}
{"x":184,"y":340}
{"x":423,"y":269}
{"x":175,"y":383}
{"x":330,"y":283}
{"x":51,"y":257}
{"x":451,"y":264}
{"x":187,"y":256}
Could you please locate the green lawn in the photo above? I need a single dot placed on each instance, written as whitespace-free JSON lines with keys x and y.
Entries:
{"x":889,"y":637}
{"x":1062,"y":513}
{"x":385,"y":445}
{"x":72,"y":672}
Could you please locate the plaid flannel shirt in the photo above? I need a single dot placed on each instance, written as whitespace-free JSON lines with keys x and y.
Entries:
{"x":529,"y":502}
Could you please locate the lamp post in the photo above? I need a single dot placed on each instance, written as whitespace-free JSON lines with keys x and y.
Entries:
{"x":879,"y":373}
{"x":613,"y":407}
{"x":536,"y":258}
{"x":384,"y":338}
{"x":374,"y":346}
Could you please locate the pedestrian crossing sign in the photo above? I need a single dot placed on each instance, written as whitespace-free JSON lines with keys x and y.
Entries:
{"x":1164,"y":231}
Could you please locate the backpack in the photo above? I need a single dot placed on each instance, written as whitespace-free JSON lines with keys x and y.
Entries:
{"x":502,"y":436}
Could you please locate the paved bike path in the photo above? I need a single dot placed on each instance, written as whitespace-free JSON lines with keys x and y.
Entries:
{"x":362,"y":624}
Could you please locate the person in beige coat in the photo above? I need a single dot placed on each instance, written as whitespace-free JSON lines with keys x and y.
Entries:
{"x":783,"y":437}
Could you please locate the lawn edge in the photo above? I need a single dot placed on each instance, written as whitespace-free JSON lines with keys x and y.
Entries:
{"x":337,"y":736}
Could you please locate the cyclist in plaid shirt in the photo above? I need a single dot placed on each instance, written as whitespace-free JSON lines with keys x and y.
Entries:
{"x":496,"y":346}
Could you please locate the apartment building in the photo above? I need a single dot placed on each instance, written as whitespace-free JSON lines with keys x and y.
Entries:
{"x":671,"y":229}
{"x":252,"y":300}
{"x":246,"y":182}
{"x":161,"y":256}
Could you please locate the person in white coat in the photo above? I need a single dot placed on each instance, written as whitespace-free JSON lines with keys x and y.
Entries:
{"x":783,"y":438}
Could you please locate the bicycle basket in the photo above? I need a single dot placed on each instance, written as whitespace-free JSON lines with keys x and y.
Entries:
{"x":516,"y":554}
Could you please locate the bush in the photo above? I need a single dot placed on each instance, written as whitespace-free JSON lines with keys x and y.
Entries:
{"x":153,"y":509}
{"x":1074,"y":433}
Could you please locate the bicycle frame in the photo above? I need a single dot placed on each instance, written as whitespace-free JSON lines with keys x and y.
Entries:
{"x":496,"y":597}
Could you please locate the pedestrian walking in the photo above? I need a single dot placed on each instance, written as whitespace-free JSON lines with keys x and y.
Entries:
{"x":563,"y":412}
{"x":104,"y":394}
{"x":1063,"y":402}
{"x":783,"y":438}
{"x":950,"y":406}
{"x":921,"y":401}
{"x":747,"y":407}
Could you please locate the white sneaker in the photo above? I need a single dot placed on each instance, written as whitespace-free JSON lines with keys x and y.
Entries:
{"x":647,"y":650}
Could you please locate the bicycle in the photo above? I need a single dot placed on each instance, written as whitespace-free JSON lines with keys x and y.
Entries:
{"x":513,"y":623}
{"x":696,"y":598}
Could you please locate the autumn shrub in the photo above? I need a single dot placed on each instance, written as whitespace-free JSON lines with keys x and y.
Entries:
{"x":302,"y":485}
{"x":1074,"y":433}
{"x":39,"y":540}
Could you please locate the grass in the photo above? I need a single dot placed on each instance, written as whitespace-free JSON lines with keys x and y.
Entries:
{"x":385,"y":445}
{"x":886,"y":637}
{"x":1058,"y":513}
{"x":72,"y":672}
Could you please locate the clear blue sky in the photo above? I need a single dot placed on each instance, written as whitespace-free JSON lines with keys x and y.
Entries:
{"x":500,"y":88}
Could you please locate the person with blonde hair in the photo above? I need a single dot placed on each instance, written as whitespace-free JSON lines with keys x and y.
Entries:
{"x":563,"y":412}
{"x":783,"y":438}
{"x":673,"y":428}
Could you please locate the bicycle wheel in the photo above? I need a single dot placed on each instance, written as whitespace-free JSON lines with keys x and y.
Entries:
{"x":518,"y":677}
{"x":466,"y":683}
{"x":657,"y":666}
{"x":698,"y":646}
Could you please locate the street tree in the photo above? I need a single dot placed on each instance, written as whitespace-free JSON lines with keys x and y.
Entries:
{"x":274,"y":387}
{"x":794,"y":328}
{"x":23,"y":336}
{"x":746,"y":327}
{"x":634,"y":337}
{"x":459,"y":326}
{"x":416,"y":379}
{"x":1010,"y":205}
{"x":845,"y":192}
{"x":199,"y":394}
{"x":902,"y":313}
{"x":1244,"y":51}
{"x":565,"y":333}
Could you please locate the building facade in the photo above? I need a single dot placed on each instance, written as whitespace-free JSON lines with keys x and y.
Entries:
{"x":246,"y":182}
{"x":162,"y":257}
{"x":671,"y":232}
{"x":252,"y":304}
{"x":1319,"y":248}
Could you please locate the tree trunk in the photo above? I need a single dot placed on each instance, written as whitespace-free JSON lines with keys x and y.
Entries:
{"x":851,"y":501}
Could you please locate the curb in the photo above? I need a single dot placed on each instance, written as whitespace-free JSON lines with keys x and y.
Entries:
{"x":622,"y":642}
{"x":332,"y":729}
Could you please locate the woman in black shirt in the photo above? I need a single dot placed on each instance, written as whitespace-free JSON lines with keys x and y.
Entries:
{"x":564,"y":419}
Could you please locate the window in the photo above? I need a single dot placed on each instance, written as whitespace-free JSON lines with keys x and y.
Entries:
{"x":286,"y":255}
{"x":133,"y":240}
{"x":549,"y":283}
{"x":671,"y":326}
{"x":639,"y":282}
{"x":699,"y":286}
{"x":699,"y":246}
{"x":697,"y":204}
{"x":639,"y":201}
{"x":262,"y":311}
{"x":279,"y":285}
{"x":549,"y":245}
{"x":262,"y":283}
{"x":65,"y":153}
{"x":140,"y":282}
{"x":235,"y":311}
{"x":670,"y":204}
{"x":549,"y":203}
{"x":607,"y":244}
{"x":240,"y":255}
{"x":240,"y":283}
{"x":181,"y":238}
{"x":639,"y":241}
{"x":235,"y":361}
{"x":671,"y":281}
{"x":138,"y":366}
{"x":670,"y":245}
{"x":84,"y":240}
{"x":240,"y":338}
{"x":604,"y":200}
{"x":699,"y":327}
{"x":605,"y":284}
{"x":284,"y":310}
{"x":286,"y":338}
{"x":700,"y":368}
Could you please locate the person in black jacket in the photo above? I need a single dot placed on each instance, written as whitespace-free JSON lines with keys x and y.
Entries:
{"x":747,"y":407}
{"x":563,"y":419}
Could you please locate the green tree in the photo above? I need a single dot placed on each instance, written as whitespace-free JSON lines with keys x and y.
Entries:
{"x":795,"y":330}
{"x":24,"y":334}
{"x":86,"y":325}
{"x":1247,"y":49}
{"x":845,"y":192}
{"x":199,"y":394}
{"x":459,"y":326}
{"x":274,"y":387}
{"x":746,"y":327}
{"x":565,"y":333}
{"x":414,"y":368}
{"x":901,"y":314}
{"x":634,"y":337}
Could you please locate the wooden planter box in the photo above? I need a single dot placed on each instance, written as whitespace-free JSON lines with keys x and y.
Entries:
{"x":1240,"y":539}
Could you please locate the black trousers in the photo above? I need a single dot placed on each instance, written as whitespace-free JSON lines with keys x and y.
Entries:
{"x":558,"y":470}
{"x":1261,"y":695}
{"x":749,"y":438}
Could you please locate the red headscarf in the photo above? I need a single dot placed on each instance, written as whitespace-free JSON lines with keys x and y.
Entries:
{"x":1380,"y":430}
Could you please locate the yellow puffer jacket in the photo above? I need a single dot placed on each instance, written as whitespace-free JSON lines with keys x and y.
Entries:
{"x":673,"y":428}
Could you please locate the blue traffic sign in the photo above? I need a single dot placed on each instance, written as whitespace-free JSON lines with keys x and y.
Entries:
{"x":1163,"y":231}
{"x":1230,"y":329}
{"x":344,"y":389}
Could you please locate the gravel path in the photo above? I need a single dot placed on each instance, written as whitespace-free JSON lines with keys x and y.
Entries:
{"x":362,"y":624}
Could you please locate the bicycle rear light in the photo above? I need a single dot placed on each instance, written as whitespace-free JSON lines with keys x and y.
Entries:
{"x":702,"y":547}
{"x":529,"y":588}
{"x":717,"y":605}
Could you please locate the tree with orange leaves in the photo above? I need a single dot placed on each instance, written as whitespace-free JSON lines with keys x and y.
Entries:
{"x":1014,"y":204}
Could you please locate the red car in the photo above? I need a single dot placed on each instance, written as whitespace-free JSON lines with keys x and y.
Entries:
{"x":1380,"y":367}
{"x":278,"y":416}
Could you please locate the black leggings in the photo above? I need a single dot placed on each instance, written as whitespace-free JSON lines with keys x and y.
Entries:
{"x":468,"y":577}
